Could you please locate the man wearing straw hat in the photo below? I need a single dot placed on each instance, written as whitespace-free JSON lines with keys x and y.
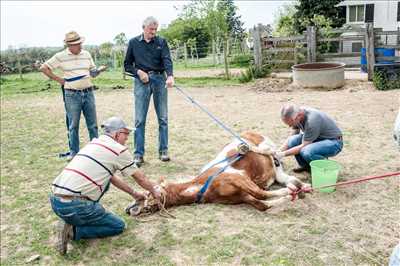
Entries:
{"x":77,"y":190}
{"x":77,"y":67}
{"x":316,"y":136}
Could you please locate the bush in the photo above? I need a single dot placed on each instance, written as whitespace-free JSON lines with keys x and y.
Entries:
{"x":383,"y":82}
{"x":242,"y":60}
{"x":247,"y":75}
{"x":253,"y":73}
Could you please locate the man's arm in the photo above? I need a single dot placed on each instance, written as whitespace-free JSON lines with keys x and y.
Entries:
{"x":167,"y":62}
{"x":122,"y":185}
{"x":130,"y":60}
{"x":47,"y":71}
{"x":296,"y":149}
{"x":145,"y":183}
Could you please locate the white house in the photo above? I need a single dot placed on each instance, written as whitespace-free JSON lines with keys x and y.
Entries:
{"x":384,"y":14}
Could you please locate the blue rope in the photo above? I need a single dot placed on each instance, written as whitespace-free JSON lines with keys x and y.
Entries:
{"x":210,"y":115}
{"x":210,"y":179}
{"x":214,"y":164}
{"x":74,"y":78}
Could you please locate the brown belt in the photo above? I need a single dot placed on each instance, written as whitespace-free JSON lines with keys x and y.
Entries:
{"x":71,"y":197}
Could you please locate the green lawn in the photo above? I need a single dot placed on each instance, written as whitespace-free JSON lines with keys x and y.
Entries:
{"x":37,"y":83}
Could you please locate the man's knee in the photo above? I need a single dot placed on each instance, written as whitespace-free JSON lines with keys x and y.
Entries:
{"x":306,"y":154}
{"x":163,"y":120}
{"x":139,"y":122}
{"x":294,"y":140}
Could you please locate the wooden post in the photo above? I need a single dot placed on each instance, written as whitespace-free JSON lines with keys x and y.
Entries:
{"x":311,"y":44}
{"x":370,"y":49}
{"x":398,"y":35}
{"x":185,"y":53}
{"x":114,"y":58}
{"x":257,"y":47}
{"x":213,"y":52}
{"x":226,"y":45}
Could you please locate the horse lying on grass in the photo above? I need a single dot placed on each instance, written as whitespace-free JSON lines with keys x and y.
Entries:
{"x":244,"y":180}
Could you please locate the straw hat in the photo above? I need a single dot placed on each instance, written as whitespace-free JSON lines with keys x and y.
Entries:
{"x":73,"y":37}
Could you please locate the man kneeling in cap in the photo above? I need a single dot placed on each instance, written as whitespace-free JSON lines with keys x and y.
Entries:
{"x":80,"y":186}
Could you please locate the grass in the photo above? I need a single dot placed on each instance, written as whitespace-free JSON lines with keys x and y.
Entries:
{"x":353,"y":226}
{"x":12,"y":85}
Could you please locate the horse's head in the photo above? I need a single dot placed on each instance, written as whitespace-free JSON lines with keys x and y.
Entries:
{"x":149,"y":205}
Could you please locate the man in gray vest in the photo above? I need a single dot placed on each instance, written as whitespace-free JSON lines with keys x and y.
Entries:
{"x":316,"y":136}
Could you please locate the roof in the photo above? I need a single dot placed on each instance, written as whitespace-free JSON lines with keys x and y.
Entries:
{"x":355,"y":2}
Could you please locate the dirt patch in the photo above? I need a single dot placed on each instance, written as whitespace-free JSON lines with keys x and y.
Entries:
{"x":286,"y":85}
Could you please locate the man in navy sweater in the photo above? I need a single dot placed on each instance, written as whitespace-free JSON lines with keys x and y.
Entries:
{"x":149,"y":61}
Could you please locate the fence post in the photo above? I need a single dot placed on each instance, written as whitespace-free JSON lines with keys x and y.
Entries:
{"x":257,"y":47}
{"x":185,"y":53}
{"x":370,"y":48}
{"x":311,"y":44}
{"x":398,"y":35}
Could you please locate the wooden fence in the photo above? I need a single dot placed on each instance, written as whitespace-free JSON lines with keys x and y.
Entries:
{"x":307,"y":47}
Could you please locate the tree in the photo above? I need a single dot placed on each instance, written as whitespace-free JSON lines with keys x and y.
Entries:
{"x":235,"y":25}
{"x":285,"y":22}
{"x":307,"y":9}
{"x":121,"y":42}
{"x":183,"y":29}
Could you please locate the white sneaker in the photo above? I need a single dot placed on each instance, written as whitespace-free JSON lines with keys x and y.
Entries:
{"x":69,"y":157}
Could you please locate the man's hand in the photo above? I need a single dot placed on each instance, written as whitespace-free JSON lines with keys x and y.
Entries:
{"x":170,"y":82}
{"x":143,"y":76}
{"x":138,"y":196}
{"x":279,"y":154}
{"x":60,"y":80}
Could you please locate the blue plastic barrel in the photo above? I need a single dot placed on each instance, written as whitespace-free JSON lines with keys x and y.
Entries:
{"x":384,"y":52}
{"x":378,"y":52}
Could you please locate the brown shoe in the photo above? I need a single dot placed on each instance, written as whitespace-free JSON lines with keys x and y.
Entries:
{"x":64,"y":235}
{"x":302,"y":169}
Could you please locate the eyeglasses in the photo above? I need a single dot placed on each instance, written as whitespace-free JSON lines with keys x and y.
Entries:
{"x":125,"y":132}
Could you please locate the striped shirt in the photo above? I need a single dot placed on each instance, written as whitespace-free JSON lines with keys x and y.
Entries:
{"x":73,"y":66}
{"x":89,"y":172}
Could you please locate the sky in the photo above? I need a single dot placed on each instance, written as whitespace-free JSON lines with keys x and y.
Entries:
{"x":44,"y":23}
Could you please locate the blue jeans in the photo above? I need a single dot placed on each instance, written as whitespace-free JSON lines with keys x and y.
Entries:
{"x":66,"y":117}
{"x":143,"y":92}
{"x":318,"y":150}
{"x":75,"y":103}
{"x":89,"y":218}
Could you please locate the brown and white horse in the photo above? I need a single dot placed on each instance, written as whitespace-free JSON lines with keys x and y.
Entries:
{"x":244,"y":181}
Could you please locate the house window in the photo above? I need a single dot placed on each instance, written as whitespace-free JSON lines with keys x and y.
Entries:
{"x":356,"y":47}
{"x":356,"y":13}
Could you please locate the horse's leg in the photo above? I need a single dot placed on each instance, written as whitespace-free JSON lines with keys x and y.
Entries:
{"x":258,"y":204}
